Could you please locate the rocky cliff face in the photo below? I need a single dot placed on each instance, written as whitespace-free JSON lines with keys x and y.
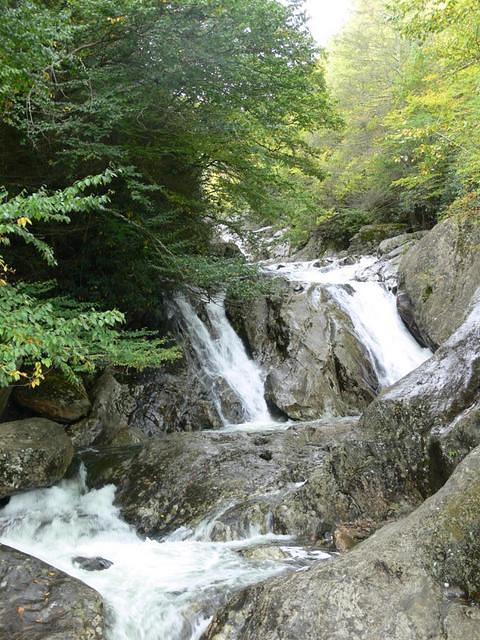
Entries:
{"x":431,"y":415}
{"x":438,"y":278}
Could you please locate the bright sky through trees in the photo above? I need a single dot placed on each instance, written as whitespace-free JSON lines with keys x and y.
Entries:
{"x":327,"y":17}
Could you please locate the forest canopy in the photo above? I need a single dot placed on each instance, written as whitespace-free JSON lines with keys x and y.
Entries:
{"x":195,"y":111}
{"x":405,"y":79}
{"x":133,"y":131}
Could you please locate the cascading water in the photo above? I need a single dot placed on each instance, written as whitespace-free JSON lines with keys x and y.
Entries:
{"x":222,"y":355}
{"x":372,"y":309}
{"x":167,"y":589}
{"x":155,"y":590}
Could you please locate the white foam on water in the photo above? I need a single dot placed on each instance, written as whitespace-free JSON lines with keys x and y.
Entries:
{"x":222,"y":355}
{"x":155,"y":590}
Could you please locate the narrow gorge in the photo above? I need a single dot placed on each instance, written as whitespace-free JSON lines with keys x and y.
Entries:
{"x":239,"y":320}
{"x":298,"y":465}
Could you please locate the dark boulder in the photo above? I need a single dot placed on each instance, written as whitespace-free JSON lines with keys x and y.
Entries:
{"x":34,"y":453}
{"x":92,"y":564}
{"x":128,"y":408}
{"x":39,"y":602}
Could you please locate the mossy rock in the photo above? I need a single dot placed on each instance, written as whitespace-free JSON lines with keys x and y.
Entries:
{"x":371,"y":235}
{"x":56,"y":398}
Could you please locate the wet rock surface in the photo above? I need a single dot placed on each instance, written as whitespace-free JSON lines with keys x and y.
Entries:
{"x":432,"y":416}
{"x":415,"y":579}
{"x":302,"y":481}
{"x":39,"y":602}
{"x":306,"y":344}
{"x":34,"y":453}
{"x":438,"y":278}
{"x":92,"y":564}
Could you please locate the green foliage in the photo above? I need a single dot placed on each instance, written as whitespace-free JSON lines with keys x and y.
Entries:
{"x":37,"y":332}
{"x":405,"y":76}
{"x":37,"y":335}
{"x":207,"y":102}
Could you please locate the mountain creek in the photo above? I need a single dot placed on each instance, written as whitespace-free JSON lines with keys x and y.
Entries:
{"x":309,"y":470}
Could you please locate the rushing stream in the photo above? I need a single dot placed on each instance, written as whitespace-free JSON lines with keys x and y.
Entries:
{"x":155,"y":590}
{"x":167,"y":589}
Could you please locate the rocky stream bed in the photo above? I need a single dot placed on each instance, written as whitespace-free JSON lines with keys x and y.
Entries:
{"x":310,"y":470}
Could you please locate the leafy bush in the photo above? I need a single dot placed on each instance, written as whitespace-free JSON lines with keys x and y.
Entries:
{"x":37,"y":332}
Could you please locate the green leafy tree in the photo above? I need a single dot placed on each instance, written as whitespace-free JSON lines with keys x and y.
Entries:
{"x":206,"y":101}
{"x":37,"y":332}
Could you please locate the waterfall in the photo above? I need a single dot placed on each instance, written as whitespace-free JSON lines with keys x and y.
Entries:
{"x":392,"y":350}
{"x":222,"y":357}
{"x":168,"y":589}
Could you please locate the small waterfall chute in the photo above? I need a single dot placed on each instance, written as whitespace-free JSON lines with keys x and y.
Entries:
{"x":222,"y":356}
{"x":392,"y":350}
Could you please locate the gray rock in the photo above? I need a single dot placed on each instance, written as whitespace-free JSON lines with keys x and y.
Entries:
{"x":39,"y":602}
{"x":370,"y":236}
{"x":110,"y":413}
{"x":390,"y":253}
{"x":438,"y":278}
{"x":92,"y":564}
{"x":33,"y":453}
{"x":431,"y":416}
{"x":412,"y":580}
{"x":305,"y":342}
{"x":399,"y":245}
{"x":301,"y":481}
{"x":56,"y":398}
{"x":128,"y":408}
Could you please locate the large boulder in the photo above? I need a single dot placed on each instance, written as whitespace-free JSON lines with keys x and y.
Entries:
{"x":306,"y":343}
{"x":39,"y":602}
{"x":56,"y":398}
{"x":431,"y":416}
{"x":438,"y":278}
{"x":33,"y":453}
{"x":299,"y":481}
{"x":416,"y":579}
